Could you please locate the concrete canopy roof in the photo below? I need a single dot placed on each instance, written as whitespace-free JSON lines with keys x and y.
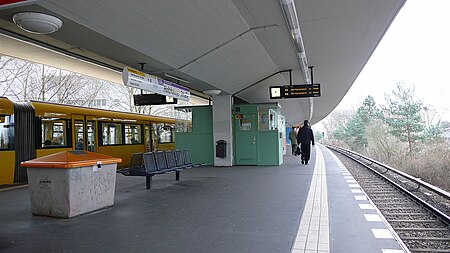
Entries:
{"x":227,"y":45}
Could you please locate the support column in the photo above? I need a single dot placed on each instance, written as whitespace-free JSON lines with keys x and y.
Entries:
{"x":222,"y":127}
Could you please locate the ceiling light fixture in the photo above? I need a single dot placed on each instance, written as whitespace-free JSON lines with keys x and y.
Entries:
{"x":290,"y":14}
{"x":38,"y":23}
{"x":212,"y":93}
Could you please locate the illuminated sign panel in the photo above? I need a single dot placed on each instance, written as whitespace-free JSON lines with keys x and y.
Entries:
{"x":153,"y":99}
{"x":294,"y":91}
{"x":301,"y":91}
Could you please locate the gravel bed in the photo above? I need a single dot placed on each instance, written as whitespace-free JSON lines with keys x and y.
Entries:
{"x":415,"y":217}
{"x":424,"y":234}
{"x":420,"y":244}
{"x":410,"y":224}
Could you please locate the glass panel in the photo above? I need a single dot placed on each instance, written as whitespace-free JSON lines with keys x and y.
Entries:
{"x":147,"y":137}
{"x":183,"y":126}
{"x":91,"y":136}
{"x":263,"y":119}
{"x":164,"y":133}
{"x":6,"y":133}
{"x":79,"y":134}
{"x":54,"y":132}
{"x":273,"y":123}
{"x":133,"y":134}
{"x":154,"y":131}
{"x":246,"y":125}
{"x":112,"y":133}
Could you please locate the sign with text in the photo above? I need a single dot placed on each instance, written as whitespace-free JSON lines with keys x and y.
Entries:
{"x":301,"y":91}
{"x":153,"y":99}
{"x":294,"y":91}
{"x":140,"y":80}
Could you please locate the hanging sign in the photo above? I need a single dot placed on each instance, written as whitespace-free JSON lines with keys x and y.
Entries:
{"x":140,"y":80}
{"x":295,"y":91}
{"x":153,"y":99}
{"x":301,"y":91}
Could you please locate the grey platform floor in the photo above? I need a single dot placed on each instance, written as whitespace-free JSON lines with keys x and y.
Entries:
{"x":211,"y":209}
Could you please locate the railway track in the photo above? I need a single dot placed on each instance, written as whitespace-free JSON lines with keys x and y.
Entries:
{"x":418,"y":212}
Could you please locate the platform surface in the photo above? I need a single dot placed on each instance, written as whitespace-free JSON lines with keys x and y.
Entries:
{"x":211,"y":209}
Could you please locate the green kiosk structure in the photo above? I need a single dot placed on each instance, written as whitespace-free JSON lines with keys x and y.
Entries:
{"x":258,"y":135}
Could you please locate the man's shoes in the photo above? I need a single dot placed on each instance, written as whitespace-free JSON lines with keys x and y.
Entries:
{"x":303,"y":161}
{"x":306,"y":163}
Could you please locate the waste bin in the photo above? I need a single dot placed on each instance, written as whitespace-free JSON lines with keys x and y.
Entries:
{"x":221,"y":148}
{"x":71,"y":183}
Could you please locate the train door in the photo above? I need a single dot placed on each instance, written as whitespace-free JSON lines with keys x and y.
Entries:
{"x":245,"y":140}
{"x":79,"y":132}
{"x":91,"y":131}
{"x":84,"y":133}
{"x":148,"y":136}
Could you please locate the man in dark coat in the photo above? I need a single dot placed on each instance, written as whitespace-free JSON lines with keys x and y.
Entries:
{"x":305,"y":137}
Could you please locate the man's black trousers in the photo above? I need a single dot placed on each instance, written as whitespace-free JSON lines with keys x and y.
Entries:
{"x":306,"y":151}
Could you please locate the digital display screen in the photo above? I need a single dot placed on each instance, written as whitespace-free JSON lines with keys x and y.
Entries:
{"x":295,"y":91}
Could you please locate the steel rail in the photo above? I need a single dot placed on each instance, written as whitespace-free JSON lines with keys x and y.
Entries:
{"x":401,"y":173}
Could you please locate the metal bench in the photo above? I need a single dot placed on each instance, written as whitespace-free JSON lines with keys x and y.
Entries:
{"x":136,"y":166}
{"x":160,"y":162}
{"x":187,"y":159}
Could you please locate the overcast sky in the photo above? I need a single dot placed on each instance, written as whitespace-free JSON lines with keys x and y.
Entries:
{"x":415,"y":50}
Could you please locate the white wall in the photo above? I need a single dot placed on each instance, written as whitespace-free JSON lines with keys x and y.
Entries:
{"x":222,"y":125}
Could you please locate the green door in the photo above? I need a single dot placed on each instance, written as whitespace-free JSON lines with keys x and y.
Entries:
{"x":245,"y":140}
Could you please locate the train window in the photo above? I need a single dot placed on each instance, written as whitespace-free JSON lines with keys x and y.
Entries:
{"x":6,"y":133}
{"x":91,"y":136}
{"x":112,"y":134}
{"x":183,"y":126}
{"x":79,"y":134}
{"x":148,"y":139}
{"x":54,"y":132}
{"x":133,"y":134}
{"x":165,"y":133}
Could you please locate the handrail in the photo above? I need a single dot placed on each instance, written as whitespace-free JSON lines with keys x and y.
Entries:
{"x":418,"y":181}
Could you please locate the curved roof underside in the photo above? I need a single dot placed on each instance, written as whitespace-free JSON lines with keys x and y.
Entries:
{"x":227,"y":45}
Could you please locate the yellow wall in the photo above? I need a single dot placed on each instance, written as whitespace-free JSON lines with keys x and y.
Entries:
{"x":7,"y":159}
{"x":165,"y":146}
{"x":122,"y":151}
{"x":49,"y":151}
{"x":6,"y":107}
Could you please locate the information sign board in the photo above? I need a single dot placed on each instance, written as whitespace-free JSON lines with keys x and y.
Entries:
{"x":137,"y":79}
{"x":153,"y":99}
{"x":301,"y":91}
{"x":294,"y":91}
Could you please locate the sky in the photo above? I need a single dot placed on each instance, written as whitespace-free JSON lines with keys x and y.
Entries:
{"x":415,"y":50}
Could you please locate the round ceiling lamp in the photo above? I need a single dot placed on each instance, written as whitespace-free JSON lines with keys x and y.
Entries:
{"x":38,"y":23}
{"x":212,"y":93}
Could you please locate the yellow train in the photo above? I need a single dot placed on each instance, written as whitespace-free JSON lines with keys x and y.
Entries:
{"x":35,"y":129}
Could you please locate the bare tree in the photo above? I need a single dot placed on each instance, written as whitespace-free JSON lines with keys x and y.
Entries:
{"x":335,"y":124}
{"x":24,"y":80}
{"x":382,"y":145}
